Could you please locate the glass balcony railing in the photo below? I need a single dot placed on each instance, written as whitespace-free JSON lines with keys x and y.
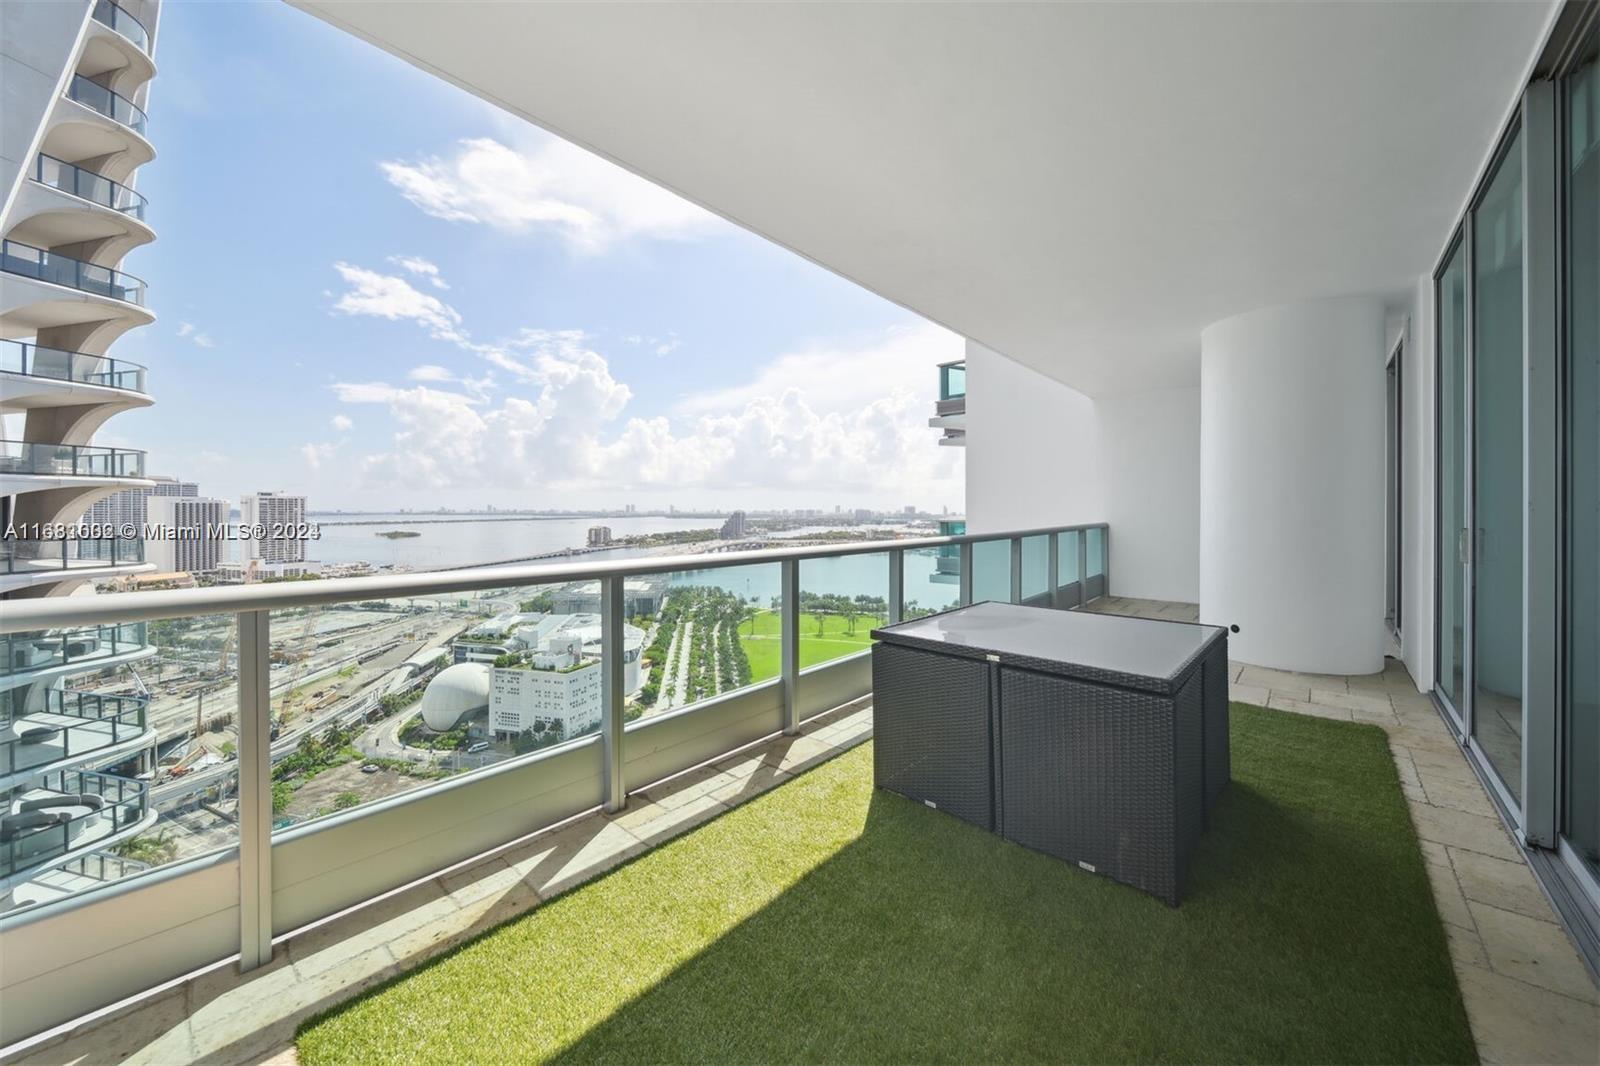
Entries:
{"x":69,"y":460}
{"x":31,"y":652}
{"x":67,"y":811}
{"x":952,"y":381}
{"x":31,"y":262}
{"x":68,"y":553}
{"x":17,"y":357}
{"x":117,"y":17}
{"x":112,"y":105}
{"x":69,"y":725}
{"x":87,"y":185}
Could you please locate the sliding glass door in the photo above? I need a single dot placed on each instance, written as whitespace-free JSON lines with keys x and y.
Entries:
{"x":1580,"y":739}
{"x":1497,"y":482}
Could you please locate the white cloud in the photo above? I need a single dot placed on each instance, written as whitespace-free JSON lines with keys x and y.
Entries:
{"x":204,"y":340}
{"x":394,"y":298}
{"x":317,"y":454}
{"x":546,"y":184}
{"x":341,"y":423}
{"x":568,"y":429}
{"x":187,"y":329}
{"x":421,"y":267}
{"x":430,"y":372}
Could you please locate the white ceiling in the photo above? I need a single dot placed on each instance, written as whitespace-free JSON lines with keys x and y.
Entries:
{"x":1082,"y":187}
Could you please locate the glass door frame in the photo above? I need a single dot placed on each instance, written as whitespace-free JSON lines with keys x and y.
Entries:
{"x":1461,"y":241}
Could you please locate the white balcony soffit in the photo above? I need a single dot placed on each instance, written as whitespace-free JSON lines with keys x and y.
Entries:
{"x":1082,"y":187}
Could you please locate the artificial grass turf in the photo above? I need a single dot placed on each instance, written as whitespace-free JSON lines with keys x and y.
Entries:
{"x":827,"y":921}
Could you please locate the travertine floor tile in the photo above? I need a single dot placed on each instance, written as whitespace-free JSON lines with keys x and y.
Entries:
{"x":1532,"y":951}
{"x":1500,"y":883}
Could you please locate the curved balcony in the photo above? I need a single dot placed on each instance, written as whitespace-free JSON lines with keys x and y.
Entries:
{"x":118,"y":18}
{"x":28,"y":655}
{"x":36,"y":263}
{"x":69,"y":553}
{"x":112,"y":105}
{"x":69,"y":460}
{"x":71,"y":727}
{"x":87,"y":185}
{"x":56,"y":364}
{"x":67,"y":812}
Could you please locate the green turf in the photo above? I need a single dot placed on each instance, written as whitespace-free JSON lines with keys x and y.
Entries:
{"x":827,"y":921}
{"x":760,"y":639}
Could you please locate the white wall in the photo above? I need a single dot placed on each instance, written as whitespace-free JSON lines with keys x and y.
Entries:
{"x":1150,"y":455}
{"x":1032,"y":449}
{"x":1040,"y":454}
{"x":1292,"y":484}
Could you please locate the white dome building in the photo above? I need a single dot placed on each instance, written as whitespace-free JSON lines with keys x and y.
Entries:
{"x":459,"y":692}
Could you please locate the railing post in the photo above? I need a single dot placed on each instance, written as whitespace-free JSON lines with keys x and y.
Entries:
{"x":897,"y":585}
{"x":1083,"y":566}
{"x":1052,"y":569}
{"x":965,"y":594}
{"x":1105,"y":559}
{"x":611,"y":692}
{"x":789,"y":641}
{"x":255,"y":790}
{"x":1016,"y":569}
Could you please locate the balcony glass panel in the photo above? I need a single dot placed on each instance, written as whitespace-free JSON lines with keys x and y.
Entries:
{"x":31,"y":262}
{"x":1451,"y":545}
{"x":112,"y":105}
{"x":29,"y":653}
{"x":117,"y":17}
{"x":60,"y":724}
{"x":932,"y":580}
{"x":841,"y":601}
{"x":17,"y":357}
{"x":69,"y":460}
{"x":30,"y":556}
{"x":1036,"y":570}
{"x":1067,"y":557}
{"x":991,"y":571}
{"x":953,"y":381}
{"x":725,"y":632}
{"x":64,"y":812}
{"x":1095,"y":545}
{"x":87,"y":185}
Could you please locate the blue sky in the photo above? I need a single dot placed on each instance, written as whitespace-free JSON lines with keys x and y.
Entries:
{"x":374,"y":288}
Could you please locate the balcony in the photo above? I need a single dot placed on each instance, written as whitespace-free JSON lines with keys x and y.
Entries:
{"x":30,"y":262}
{"x":66,"y":813}
{"x":69,"y":460}
{"x":950,"y":410}
{"x":935,"y":931}
{"x":117,"y":18}
{"x":55,"y":364}
{"x":30,"y":656}
{"x":87,"y":185}
{"x":112,"y":105}
{"x":68,"y":728}
{"x":51,"y":560}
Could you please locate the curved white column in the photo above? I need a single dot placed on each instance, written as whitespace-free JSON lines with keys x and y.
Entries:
{"x":1291,"y":484}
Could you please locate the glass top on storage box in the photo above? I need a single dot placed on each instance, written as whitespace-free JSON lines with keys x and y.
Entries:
{"x":1134,"y":651}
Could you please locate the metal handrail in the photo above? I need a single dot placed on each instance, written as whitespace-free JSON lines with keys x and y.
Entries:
{"x":87,"y":185}
{"x":67,"y":553}
{"x":28,"y":615}
{"x":59,"y":364}
{"x":58,"y":269}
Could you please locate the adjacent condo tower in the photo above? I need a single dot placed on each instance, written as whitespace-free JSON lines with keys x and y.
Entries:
{"x":77,"y":74}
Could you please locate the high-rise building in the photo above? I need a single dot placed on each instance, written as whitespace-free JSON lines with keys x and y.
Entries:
{"x":73,"y":138}
{"x":734,"y":527}
{"x":599,"y":536}
{"x":193,"y":532}
{"x":273,"y":514}
{"x":131,"y":506}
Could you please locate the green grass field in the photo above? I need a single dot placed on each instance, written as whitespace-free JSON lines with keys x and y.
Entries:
{"x":765,"y":653}
{"x":827,"y":921}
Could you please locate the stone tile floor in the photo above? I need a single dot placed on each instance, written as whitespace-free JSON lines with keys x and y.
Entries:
{"x":1527,"y":993}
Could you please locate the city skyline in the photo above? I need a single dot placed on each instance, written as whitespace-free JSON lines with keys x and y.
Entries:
{"x":486,"y":314}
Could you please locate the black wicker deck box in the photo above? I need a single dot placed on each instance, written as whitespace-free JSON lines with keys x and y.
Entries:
{"x":1098,"y":739}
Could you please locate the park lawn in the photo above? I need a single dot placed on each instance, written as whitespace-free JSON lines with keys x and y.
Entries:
{"x":766,"y":654}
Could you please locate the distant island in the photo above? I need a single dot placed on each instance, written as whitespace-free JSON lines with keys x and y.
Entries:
{"x":398,"y":534}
